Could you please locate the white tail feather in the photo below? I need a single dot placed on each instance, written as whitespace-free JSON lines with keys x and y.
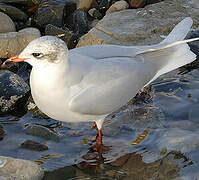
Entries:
{"x":173,"y":52}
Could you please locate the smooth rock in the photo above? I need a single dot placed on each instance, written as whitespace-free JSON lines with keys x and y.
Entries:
{"x":49,"y":12}
{"x":14,"y":93}
{"x":29,"y":144}
{"x":63,"y":34}
{"x":13,"y":43}
{"x":137,"y":3}
{"x":141,"y":26}
{"x":13,"y":12}
{"x":118,"y":6}
{"x":41,"y":131}
{"x":6,"y":23}
{"x":20,"y":169}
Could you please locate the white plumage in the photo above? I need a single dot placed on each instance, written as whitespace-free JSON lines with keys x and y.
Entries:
{"x":88,"y":83}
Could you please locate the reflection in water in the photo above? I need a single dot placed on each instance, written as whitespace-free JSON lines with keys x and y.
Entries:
{"x":157,"y":140}
{"x":127,"y":167}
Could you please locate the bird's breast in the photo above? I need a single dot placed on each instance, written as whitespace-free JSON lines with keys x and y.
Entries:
{"x":52,"y":97}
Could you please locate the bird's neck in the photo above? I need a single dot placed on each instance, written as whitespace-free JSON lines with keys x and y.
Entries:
{"x":51,"y":76}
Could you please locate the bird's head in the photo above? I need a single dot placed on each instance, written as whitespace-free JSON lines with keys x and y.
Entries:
{"x":42,"y":51}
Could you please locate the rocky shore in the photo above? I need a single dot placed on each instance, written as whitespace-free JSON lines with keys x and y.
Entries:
{"x":81,"y":23}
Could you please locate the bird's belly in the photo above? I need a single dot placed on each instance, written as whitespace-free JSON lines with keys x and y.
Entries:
{"x":56,"y":107}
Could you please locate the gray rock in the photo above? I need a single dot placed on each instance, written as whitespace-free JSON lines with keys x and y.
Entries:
{"x":12,"y":43}
{"x":63,"y":34}
{"x":141,"y":26}
{"x":6,"y":24}
{"x":13,"y":12}
{"x":19,"y":169}
{"x":41,"y":131}
{"x":29,"y":144}
{"x":49,"y":12}
{"x":14,"y":93}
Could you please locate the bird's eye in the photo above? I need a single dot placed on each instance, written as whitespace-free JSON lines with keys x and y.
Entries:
{"x":37,"y":55}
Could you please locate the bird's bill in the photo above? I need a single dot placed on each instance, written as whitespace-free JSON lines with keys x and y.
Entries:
{"x":16,"y":59}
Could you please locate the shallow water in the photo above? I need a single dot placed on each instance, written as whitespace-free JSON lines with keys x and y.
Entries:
{"x":154,"y":140}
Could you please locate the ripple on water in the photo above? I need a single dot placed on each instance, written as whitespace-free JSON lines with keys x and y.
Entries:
{"x":151,"y":140}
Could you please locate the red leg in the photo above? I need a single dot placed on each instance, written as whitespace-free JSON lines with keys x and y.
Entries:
{"x":99,"y":143}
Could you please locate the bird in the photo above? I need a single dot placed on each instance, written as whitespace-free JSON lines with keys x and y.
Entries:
{"x":88,"y":83}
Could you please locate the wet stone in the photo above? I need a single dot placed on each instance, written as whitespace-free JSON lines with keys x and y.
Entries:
{"x":29,"y":144}
{"x":41,"y":131}
{"x":14,"y":93}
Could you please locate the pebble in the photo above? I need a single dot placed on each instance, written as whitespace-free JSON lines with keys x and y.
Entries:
{"x":12,"y":43}
{"x":118,"y":6}
{"x":6,"y":23}
{"x":13,"y":12}
{"x":41,"y":131}
{"x":12,"y":168}
{"x":137,"y":3}
{"x":29,"y":144}
{"x":49,"y":14}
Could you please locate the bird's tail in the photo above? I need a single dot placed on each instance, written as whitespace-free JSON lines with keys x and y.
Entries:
{"x":173,"y":52}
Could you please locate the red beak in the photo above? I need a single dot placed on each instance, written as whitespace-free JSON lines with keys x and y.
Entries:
{"x":16,"y":59}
